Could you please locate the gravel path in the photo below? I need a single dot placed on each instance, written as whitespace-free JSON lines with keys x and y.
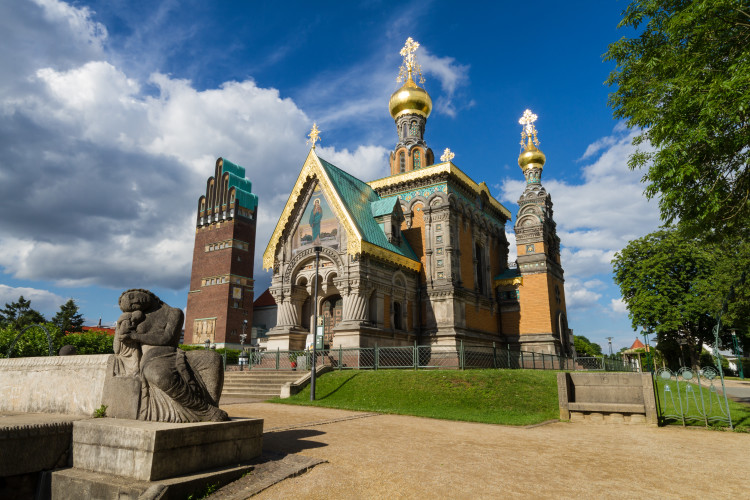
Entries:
{"x":390,"y":456}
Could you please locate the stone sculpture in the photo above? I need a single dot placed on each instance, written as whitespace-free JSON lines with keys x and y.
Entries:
{"x":151,"y":378}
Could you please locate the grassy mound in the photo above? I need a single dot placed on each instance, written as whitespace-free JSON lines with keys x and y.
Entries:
{"x":511,"y":397}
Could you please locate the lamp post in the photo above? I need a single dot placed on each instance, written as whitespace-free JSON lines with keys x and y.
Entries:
{"x":243,"y":336}
{"x":738,"y":353}
{"x":315,"y":325}
{"x":649,"y":363}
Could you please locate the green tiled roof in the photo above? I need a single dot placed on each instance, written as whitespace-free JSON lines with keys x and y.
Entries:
{"x":360,"y":201}
{"x":244,"y":188}
{"x":383,"y":207}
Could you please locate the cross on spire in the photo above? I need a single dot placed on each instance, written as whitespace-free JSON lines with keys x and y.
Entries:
{"x":314,"y":135}
{"x":448,"y":155}
{"x":529,"y":130}
{"x":410,"y":65}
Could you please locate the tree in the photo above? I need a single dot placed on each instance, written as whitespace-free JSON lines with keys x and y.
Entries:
{"x":662,"y":279}
{"x":19,"y":315}
{"x":584,"y":347}
{"x":68,"y":319}
{"x":685,"y":82}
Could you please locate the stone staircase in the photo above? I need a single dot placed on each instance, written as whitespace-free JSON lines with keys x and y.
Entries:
{"x":260,"y":384}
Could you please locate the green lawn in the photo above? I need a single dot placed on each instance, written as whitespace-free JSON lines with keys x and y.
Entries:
{"x":713,"y":402}
{"x":511,"y":397}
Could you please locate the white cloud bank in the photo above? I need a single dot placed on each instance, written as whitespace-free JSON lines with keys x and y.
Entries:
{"x":100,"y":180}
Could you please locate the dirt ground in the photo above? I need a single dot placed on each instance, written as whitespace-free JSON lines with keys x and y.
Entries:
{"x":390,"y":456}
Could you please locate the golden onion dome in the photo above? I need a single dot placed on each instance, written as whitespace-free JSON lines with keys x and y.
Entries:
{"x":410,"y":99}
{"x":531,"y":157}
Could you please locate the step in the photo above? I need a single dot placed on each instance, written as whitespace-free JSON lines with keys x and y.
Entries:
{"x":232,"y":392}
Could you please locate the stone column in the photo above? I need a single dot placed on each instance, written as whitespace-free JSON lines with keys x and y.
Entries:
{"x":355,"y":307}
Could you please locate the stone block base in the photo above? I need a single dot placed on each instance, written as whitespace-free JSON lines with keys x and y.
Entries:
{"x":607,"y":418}
{"x":32,"y":442}
{"x":74,"y":484}
{"x":150,"y":451}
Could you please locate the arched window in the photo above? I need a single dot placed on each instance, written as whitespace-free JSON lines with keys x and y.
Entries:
{"x":417,"y":159}
{"x":413,"y":129}
{"x":397,"y":316}
{"x":401,"y":162}
{"x":403,"y":131}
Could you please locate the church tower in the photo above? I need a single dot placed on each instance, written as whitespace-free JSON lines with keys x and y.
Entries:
{"x":410,"y":107}
{"x":220,"y":299}
{"x":543,"y":324}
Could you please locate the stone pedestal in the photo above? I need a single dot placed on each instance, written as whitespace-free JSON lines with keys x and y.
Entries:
{"x":150,"y":451}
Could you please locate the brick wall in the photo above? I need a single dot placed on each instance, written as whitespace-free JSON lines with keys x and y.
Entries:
{"x":208,"y":301}
{"x":535,"y":304}
{"x":467,"y":255}
{"x":481,"y":319}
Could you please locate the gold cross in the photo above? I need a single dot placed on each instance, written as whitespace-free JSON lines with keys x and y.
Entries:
{"x":314,"y":136}
{"x":529,"y":130}
{"x":448,"y":155}
{"x":410,"y":64}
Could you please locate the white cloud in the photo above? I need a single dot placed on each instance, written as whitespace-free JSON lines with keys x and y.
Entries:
{"x":110,"y":189}
{"x":581,"y":295}
{"x":618,"y":306}
{"x":43,"y":301}
{"x":451,"y":76}
{"x":366,"y":162}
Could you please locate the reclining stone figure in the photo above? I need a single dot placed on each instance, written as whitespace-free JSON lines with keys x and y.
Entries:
{"x":166,"y":384}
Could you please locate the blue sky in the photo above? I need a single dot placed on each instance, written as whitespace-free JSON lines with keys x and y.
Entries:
{"x":112,"y":114}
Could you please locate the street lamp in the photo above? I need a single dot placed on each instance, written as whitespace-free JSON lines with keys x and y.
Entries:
{"x":243,"y":336}
{"x":315,"y":325}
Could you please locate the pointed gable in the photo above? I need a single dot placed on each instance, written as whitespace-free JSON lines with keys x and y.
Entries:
{"x":351,"y":200}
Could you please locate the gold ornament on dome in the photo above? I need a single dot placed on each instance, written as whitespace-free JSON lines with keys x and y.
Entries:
{"x":529,"y":130}
{"x":530,"y":156}
{"x":410,"y":65}
{"x":448,"y":155}
{"x":314,"y":135}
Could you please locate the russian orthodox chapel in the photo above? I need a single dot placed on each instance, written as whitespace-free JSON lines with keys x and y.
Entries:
{"x":418,"y":256}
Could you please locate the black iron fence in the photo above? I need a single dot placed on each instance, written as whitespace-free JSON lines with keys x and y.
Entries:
{"x":460,"y":357}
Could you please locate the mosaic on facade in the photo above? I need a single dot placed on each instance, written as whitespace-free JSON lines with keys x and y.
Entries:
{"x":318,"y":225}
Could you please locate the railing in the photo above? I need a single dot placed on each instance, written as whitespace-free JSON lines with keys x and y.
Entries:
{"x":418,"y":357}
{"x":602,"y":363}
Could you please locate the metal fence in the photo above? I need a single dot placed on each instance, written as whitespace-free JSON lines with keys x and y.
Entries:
{"x":418,"y":357}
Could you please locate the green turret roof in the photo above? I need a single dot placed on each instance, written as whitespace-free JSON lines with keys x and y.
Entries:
{"x":243,"y":187}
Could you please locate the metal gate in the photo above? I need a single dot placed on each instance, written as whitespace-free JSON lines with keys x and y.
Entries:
{"x":691,"y":396}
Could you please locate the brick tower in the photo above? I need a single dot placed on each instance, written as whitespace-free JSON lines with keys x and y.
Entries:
{"x":543,"y":324}
{"x":221,"y":282}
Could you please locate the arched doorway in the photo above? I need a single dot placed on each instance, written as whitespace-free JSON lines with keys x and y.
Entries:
{"x":333,"y":307}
